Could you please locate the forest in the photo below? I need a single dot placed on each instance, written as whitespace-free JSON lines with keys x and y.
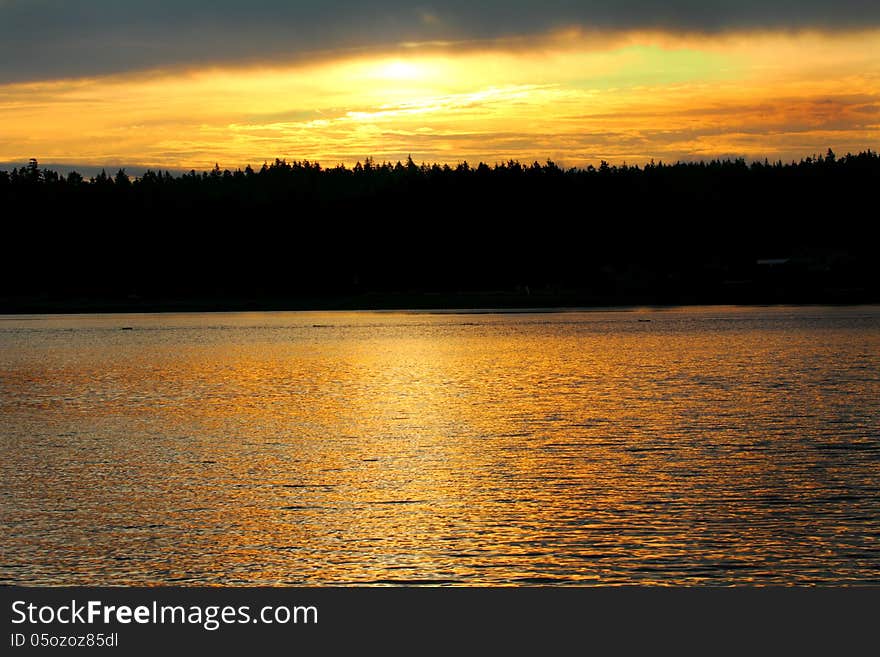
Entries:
{"x":407,"y":235}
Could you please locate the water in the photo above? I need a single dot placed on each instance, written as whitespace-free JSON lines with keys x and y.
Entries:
{"x":705,"y":446}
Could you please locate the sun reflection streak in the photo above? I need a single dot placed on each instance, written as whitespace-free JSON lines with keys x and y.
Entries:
{"x":309,"y":448}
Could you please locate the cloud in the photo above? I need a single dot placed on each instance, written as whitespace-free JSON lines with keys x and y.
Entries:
{"x":46,"y":39}
{"x":574,"y":107}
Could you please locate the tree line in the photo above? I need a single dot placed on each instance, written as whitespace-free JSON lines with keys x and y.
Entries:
{"x":292,"y":234}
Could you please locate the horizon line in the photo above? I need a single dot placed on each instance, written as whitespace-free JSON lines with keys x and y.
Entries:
{"x":113,"y":168}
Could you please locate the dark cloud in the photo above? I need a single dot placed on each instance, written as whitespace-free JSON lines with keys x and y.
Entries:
{"x":42,"y":39}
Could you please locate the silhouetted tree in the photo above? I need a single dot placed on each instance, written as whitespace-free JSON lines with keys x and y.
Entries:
{"x":675,"y":233}
{"x":33,"y":173}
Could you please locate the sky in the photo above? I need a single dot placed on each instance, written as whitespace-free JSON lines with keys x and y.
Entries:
{"x":184,"y":85}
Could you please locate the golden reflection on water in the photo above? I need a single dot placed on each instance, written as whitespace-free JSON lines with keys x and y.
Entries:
{"x":713,"y":445}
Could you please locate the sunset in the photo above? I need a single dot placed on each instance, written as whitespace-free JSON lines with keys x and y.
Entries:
{"x":310,"y":312}
{"x":560,"y":84}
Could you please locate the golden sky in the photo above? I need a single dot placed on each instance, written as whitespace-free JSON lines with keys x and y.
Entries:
{"x":571,"y":96}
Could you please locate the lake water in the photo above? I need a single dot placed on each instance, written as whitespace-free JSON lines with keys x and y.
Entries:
{"x":683,"y":446}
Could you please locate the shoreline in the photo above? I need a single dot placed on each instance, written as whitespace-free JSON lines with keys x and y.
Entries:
{"x":470,"y":304}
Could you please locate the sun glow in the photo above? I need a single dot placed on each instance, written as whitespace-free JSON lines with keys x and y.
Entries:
{"x":640,"y":97}
{"x":400,"y":70}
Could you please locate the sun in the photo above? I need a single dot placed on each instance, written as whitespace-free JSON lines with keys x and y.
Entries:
{"x":399,"y":70}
